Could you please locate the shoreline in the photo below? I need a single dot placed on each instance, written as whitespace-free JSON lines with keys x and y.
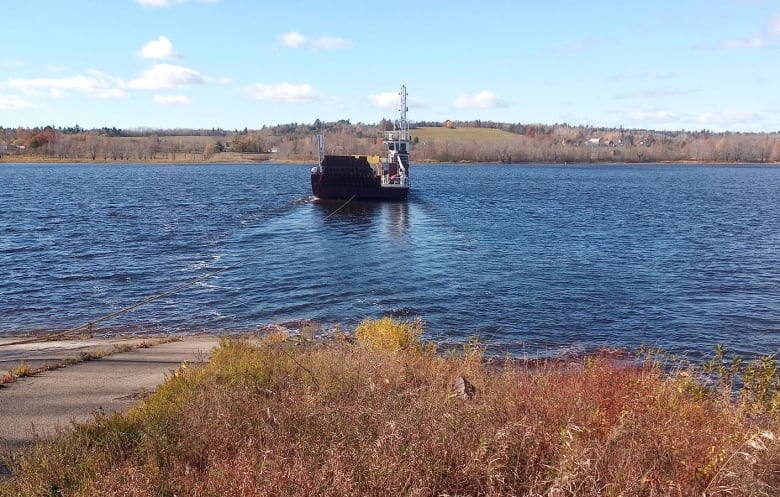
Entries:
{"x":236,"y":159}
{"x":367,"y":401}
{"x":30,"y":355}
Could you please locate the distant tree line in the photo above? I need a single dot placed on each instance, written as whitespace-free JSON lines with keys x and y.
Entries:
{"x":295,"y":141}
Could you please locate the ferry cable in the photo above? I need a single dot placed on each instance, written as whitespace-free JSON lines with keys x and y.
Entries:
{"x":88,"y":326}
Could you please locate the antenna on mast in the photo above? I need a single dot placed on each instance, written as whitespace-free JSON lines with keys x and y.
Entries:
{"x":403,"y":124}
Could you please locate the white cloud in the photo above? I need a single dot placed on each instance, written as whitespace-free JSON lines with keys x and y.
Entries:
{"x":167,"y":76}
{"x":482,"y":100}
{"x":95,"y":84}
{"x":774,"y":25}
{"x":172,"y":99}
{"x":729,"y":118}
{"x":161,"y":48}
{"x":12,"y":102}
{"x":294,"y":39}
{"x":283,"y":92}
{"x":386,"y":100}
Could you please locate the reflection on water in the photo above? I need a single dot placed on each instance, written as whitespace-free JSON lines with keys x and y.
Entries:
{"x":392,"y":217}
{"x":396,"y":217}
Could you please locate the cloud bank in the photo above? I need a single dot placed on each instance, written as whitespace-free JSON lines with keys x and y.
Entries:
{"x":385,"y":100}
{"x":167,"y":76}
{"x":94,"y":84}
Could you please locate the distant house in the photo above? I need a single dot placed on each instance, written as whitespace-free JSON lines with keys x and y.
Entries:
{"x":594,"y":141}
{"x":11,"y":149}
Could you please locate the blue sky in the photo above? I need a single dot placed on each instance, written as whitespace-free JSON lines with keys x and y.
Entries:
{"x":666,"y":65}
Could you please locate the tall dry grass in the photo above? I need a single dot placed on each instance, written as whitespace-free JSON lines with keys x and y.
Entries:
{"x":337,"y":418}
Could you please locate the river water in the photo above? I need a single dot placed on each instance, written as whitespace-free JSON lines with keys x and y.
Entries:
{"x":534,"y":259}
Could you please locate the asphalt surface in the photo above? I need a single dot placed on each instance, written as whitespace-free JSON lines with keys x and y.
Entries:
{"x":41,"y":405}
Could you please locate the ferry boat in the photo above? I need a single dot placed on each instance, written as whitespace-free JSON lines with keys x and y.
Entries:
{"x":367,"y":177}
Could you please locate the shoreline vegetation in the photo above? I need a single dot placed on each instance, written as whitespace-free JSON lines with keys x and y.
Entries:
{"x":381,"y":412}
{"x":433,"y":142}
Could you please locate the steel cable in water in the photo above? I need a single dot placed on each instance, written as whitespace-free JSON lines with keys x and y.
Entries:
{"x":88,"y":326}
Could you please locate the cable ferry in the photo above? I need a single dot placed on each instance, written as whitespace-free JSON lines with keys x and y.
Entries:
{"x":367,"y":177}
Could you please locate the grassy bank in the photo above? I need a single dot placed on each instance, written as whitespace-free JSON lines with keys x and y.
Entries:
{"x":376,"y":414}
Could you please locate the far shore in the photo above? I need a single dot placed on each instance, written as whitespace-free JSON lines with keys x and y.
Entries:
{"x":238,"y":158}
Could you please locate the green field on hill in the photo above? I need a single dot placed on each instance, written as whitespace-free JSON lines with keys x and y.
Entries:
{"x":465,"y":134}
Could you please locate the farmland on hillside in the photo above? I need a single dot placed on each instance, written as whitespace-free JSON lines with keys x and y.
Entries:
{"x":472,"y":141}
{"x":465,"y":134}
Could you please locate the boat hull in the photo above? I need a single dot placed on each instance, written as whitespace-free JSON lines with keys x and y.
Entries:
{"x":352,"y":177}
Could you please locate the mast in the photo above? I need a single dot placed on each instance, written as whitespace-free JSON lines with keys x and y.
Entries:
{"x":402,"y":140}
{"x":403,"y":124}
{"x":398,"y":143}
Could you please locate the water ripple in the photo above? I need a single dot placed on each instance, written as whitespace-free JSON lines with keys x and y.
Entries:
{"x":533,"y":259}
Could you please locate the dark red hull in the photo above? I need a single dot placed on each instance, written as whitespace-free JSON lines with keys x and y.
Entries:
{"x":350,"y":176}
